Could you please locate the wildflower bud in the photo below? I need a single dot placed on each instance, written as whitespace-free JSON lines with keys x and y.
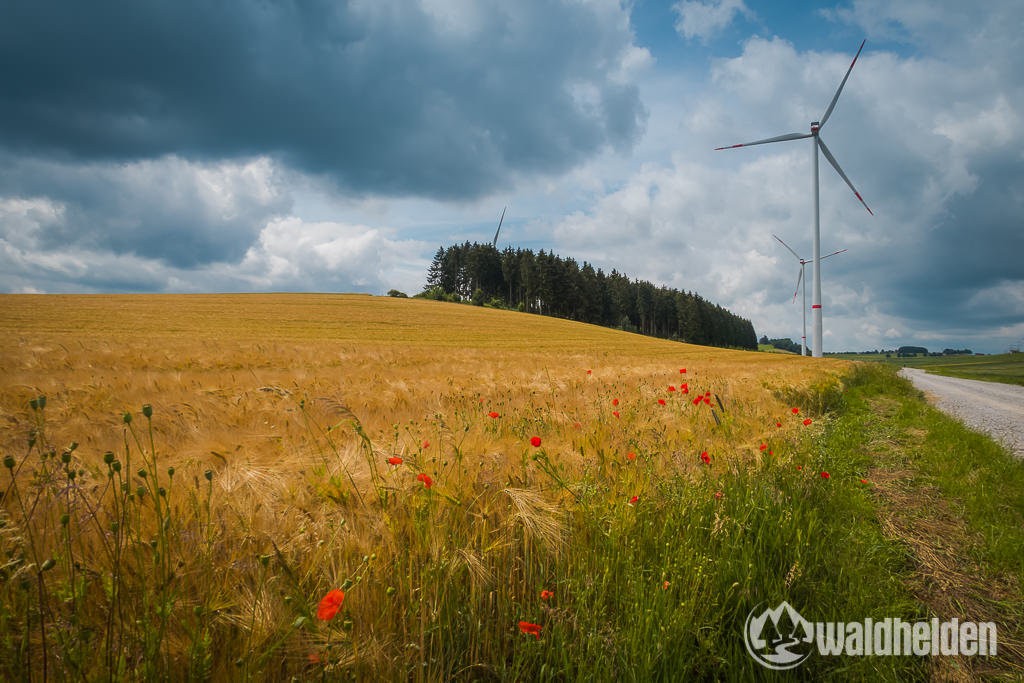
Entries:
{"x":48,"y":565}
{"x":391,"y":590}
{"x":347,"y":624}
{"x":366,"y":558}
{"x":42,"y":402}
{"x":147,"y":410}
{"x":65,"y":457}
{"x":162,"y":492}
{"x":373,"y":556}
{"x":287,"y":599}
{"x":239,"y":662}
{"x":71,"y":474}
{"x":170,"y":471}
{"x":108,"y":457}
{"x":64,"y":519}
{"x":346,"y":584}
{"x":9,"y":462}
{"x":208,"y":474}
{"x":73,"y":446}
{"x":31,"y":438}
{"x":116,"y":466}
{"x":299,"y":623}
{"x":264,"y":559}
{"x":34,"y":404}
{"x":141,"y":491}
{"x":152,"y":543}
{"x":142,"y":473}
{"x":114,"y":527}
{"x":126,"y":418}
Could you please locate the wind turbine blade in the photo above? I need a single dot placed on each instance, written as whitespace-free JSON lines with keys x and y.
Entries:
{"x":835,"y":165}
{"x":495,"y":242}
{"x":832,"y":104}
{"x":798,"y":278}
{"x":777,"y":138}
{"x":787,"y":247}
{"x":833,"y":254}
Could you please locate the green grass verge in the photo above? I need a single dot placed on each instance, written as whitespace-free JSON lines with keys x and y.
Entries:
{"x":1007,"y":368}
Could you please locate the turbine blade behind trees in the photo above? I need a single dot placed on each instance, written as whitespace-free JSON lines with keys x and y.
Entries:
{"x":495,"y":242}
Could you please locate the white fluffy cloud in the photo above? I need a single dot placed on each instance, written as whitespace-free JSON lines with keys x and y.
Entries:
{"x":700,"y":19}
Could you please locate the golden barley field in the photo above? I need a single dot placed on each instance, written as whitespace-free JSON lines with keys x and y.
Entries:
{"x":278,"y":414}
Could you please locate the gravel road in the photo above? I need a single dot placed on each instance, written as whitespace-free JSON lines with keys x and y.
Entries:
{"x":990,"y":407}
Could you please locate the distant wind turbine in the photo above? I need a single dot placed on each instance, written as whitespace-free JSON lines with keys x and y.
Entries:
{"x":495,"y":242}
{"x":817,"y":143}
{"x":800,"y":278}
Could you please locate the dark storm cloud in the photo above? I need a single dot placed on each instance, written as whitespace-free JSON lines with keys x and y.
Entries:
{"x":976,"y":246}
{"x":380,"y":97}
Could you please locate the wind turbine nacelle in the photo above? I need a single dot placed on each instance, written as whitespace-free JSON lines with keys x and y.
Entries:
{"x":815,"y":126}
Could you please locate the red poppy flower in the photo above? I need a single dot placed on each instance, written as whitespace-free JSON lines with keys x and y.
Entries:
{"x":615,"y":413}
{"x":615,"y":401}
{"x":661,"y":401}
{"x":530,"y":629}
{"x":493,"y":414}
{"x":427,"y":481}
{"x":588,"y":372}
{"x":665,"y":587}
{"x":535,"y":441}
{"x":330,"y":604}
{"x":395,"y":460}
{"x":799,"y":467}
{"x":863,"y":481}
{"x":671,"y":388}
{"x":824,"y":475}
{"x":697,"y":400}
{"x":633,"y":499}
{"x":796,"y":410}
{"x":807,"y":422}
{"x":778,"y":424}
{"x":705,"y":457}
{"x":426,"y":444}
{"x":682,"y":371}
{"x":544,"y":595}
{"x":686,"y":389}
{"x":764,"y":446}
{"x":718,"y":495}
{"x":707,"y":400}
{"x":631,"y":455}
{"x":771,"y":452}
{"x":577,"y":425}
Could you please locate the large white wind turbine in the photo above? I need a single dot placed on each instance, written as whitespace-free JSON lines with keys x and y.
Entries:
{"x":800,"y":278}
{"x":817,"y":142}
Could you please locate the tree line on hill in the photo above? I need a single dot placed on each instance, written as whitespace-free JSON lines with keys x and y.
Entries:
{"x":548,"y":284}
{"x":784,"y":343}
{"x":910,"y":352}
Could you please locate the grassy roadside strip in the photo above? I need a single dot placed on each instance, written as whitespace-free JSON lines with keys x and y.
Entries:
{"x":954,"y":499}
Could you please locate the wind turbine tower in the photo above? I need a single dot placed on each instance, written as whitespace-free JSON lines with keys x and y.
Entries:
{"x":800,"y":278}
{"x":817,"y":143}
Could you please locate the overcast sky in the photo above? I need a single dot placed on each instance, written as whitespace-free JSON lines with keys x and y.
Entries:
{"x":257,"y":145}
